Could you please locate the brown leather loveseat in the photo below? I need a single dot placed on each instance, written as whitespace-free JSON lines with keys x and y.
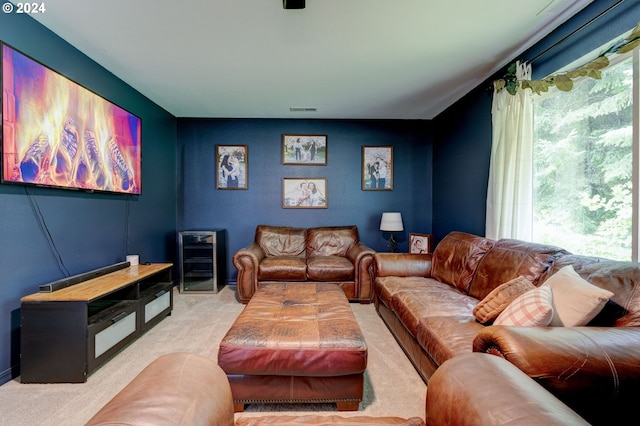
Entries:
{"x":433,"y":304}
{"x":331,"y":254}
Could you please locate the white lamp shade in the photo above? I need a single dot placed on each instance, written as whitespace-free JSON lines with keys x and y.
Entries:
{"x":391,"y":222}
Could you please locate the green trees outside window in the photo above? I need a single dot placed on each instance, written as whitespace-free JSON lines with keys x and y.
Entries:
{"x":583,"y":163}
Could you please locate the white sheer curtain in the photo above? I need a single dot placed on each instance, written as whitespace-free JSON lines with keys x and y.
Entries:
{"x":510,"y":190}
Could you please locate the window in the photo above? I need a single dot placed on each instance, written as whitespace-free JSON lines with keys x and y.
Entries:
{"x":584,"y":162}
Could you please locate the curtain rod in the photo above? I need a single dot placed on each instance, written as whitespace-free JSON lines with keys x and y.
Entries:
{"x":580,"y":28}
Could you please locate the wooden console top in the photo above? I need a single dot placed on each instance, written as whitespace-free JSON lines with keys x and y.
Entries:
{"x":94,"y":288}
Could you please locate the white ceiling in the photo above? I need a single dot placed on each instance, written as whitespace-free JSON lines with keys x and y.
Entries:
{"x":360,"y":59}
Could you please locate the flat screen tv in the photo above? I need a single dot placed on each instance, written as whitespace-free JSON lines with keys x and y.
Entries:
{"x":56,"y":133}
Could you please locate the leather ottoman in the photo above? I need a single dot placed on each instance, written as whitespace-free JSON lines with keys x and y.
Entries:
{"x":295,"y":342}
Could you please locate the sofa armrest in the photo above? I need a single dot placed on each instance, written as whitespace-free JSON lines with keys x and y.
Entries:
{"x":361,"y":256}
{"x":358,"y":251}
{"x":247,"y":260}
{"x":176,"y":388}
{"x":402,"y":265}
{"x":481,"y":389}
{"x":594,"y":370}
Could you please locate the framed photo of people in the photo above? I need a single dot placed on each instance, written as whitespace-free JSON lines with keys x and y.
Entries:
{"x":420,"y":243}
{"x":232,"y":166}
{"x":304,"y":193}
{"x":377,"y":168}
{"x":306,"y":150}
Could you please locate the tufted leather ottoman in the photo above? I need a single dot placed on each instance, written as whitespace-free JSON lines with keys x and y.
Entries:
{"x":295,"y":342}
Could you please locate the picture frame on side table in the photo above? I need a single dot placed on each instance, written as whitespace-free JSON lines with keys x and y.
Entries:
{"x":420,"y":243}
{"x":232,"y":167}
{"x":304,"y":150}
{"x":377,"y":168}
{"x":304,"y":193}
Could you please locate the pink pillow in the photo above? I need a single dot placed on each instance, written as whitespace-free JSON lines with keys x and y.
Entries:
{"x":533,"y":308}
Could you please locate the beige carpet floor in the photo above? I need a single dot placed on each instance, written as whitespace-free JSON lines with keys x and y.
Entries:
{"x":197,"y":324}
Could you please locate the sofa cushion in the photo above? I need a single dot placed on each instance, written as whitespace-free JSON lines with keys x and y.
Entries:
{"x":387,"y":287}
{"x":438,"y":299}
{"x":579,"y":263}
{"x":331,"y":240}
{"x":456,"y":258}
{"x":281,"y":240}
{"x":509,"y":259}
{"x":620,"y":278}
{"x":533,"y":308}
{"x":330,"y":268}
{"x":491,"y":306}
{"x":282,"y":268}
{"x":447,"y":336}
{"x":575,"y":301}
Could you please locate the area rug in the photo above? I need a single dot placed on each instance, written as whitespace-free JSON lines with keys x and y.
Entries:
{"x":197,"y":324}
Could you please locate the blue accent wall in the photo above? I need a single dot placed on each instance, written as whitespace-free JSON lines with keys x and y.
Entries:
{"x":201,"y":206}
{"x":462,"y":150}
{"x":46,"y":234}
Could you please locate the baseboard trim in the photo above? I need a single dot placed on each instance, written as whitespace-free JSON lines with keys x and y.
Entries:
{"x":8,"y":374}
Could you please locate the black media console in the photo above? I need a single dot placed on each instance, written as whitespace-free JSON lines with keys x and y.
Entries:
{"x":67,"y":334}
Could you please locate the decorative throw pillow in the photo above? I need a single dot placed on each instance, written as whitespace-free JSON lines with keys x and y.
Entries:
{"x":533,"y":308}
{"x":610,"y":313}
{"x":499,"y":298}
{"x":575,"y":301}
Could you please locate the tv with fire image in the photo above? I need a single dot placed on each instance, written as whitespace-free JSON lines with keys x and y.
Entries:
{"x":57,"y":133}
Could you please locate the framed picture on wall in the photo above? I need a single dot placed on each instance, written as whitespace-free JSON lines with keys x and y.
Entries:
{"x":420,"y":243}
{"x":307,"y":150}
{"x":377,"y":168}
{"x":232,"y":166}
{"x":304,"y":193}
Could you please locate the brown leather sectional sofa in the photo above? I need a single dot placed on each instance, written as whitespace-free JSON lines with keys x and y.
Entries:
{"x":189,"y":389}
{"x":427,"y":302}
{"x":323,"y":254}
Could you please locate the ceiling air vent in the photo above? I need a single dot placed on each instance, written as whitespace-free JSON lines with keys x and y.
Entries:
{"x":293,"y":4}
{"x":302,"y":109}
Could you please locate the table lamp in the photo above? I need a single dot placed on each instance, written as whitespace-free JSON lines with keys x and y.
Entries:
{"x":391,"y":222}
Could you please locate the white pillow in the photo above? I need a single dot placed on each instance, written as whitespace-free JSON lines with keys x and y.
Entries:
{"x":575,"y":301}
{"x":533,"y":308}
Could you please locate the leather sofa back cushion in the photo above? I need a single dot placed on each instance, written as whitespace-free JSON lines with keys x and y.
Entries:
{"x":281,"y":240}
{"x":456,"y":258}
{"x":331,"y":240}
{"x":509,"y":259}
